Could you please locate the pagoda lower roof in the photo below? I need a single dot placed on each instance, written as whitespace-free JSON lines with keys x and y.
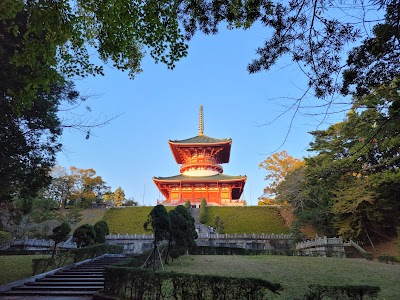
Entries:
{"x":201,"y":139}
{"x":185,"y":178}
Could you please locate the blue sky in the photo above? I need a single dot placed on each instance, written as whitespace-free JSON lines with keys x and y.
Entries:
{"x":161,"y":105}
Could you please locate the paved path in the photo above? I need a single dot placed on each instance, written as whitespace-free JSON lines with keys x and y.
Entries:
{"x":77,"y":283}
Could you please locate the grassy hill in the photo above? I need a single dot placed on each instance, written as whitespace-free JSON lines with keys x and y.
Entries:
{"x":248,"y":219}
{"x":127,"y":220}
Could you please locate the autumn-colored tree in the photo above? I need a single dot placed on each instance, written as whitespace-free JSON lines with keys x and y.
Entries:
{"x":119,"y":196}
{"x":80,"y":187}
{"x":278,"y":165}
{"x":88,"y":187}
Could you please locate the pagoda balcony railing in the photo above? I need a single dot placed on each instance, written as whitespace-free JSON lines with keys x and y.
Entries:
{"x":202,"y":166}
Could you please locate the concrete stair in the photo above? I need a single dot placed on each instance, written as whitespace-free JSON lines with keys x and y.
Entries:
{"x":77,"y":282}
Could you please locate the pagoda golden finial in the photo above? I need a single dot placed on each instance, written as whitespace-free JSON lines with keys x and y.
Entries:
{"x":201,"y":121}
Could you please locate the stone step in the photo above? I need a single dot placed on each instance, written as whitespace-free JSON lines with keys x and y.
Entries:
{"x":86,"y":269}
{"x":49,"y":293}
{"x":100,"y":274}
{"x":58,"y":288}
{"x":79,"y":275}
{"x":66,"y":283}
{"x":71,"y":279}
{"x":90,"y":266}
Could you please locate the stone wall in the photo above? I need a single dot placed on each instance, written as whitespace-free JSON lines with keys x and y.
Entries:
{"x":138,"y":243}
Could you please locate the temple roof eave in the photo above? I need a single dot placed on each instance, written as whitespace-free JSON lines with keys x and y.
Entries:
{"x":216,"y":178}
{"x":200,"y":140}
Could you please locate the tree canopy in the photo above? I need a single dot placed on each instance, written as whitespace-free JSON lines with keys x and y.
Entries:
{"x":277,"y":166}
{"x":350,"y":187}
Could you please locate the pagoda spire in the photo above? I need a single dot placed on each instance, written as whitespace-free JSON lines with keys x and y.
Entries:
{"x":201,"y":121}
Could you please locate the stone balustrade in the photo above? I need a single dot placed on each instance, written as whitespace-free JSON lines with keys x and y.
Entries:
{"x":138,"y":243}
{"x":41,"y":244}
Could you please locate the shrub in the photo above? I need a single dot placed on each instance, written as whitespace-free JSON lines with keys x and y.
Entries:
{"x":60,"y":234}
{"x":386,"y":259}
{"x":96,"y":250}
{"x":101,"y":229}
{"x":203,"y":211}
{"x":209,"y":250}
{"x":187,"y":204}
{"x":367,"y":255}
{"x":5,"y":236}
{"x":134,"y":283}
{"x":341,"y":292}
{"x":41,"y":265}
{"x":84,"y":235}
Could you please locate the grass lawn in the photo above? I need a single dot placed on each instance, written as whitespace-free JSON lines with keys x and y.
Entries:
{"x":15,"y":267}
{"x":248,"y":219}
{"x":296,"y":273}
{"x":129,"y":219}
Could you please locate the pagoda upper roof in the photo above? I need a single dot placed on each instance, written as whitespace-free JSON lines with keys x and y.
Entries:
{"x":201,"y":140}
{"x":186,"y":178}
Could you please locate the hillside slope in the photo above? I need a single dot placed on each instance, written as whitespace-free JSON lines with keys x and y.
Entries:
{"x":248,"y":219}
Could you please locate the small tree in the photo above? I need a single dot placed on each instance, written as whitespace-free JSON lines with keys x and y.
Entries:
{"x":101,"y":229}
{"x":74,"y":215}
{"x":191,"y":233}
{"x":119,"y":196}
{"x":216,"y":221}
{"x":182,"y":233}
{"x":188,"y":205}
{"x":220,"y":227}
{"x":203,"y":211}
{"x":84,"y":235}
{"x":177,"y":243}
{"x":130,"y":202}
{"x":60,"y":234}
{"x":159,"y":223}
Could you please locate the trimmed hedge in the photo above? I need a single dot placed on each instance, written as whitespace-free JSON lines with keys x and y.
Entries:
{"x":208,"y":250}
{"x":96,"y":250}
{"x":134,"y":283}
{"x":387,"y":258}
{"x":41,"y":265}
{"x":356,"y":292}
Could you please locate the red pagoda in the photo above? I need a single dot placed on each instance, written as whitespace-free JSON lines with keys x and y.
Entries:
{"x":201,"y":172}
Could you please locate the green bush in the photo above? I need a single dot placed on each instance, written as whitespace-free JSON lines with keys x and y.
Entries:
{"x":368,"y":256}
{"x":84,"y":235}
{"x":341,"y":292}
{"x":96,"y":250}
{"x":101,"y":229}
{"x":208,"y":250}
{"x":76,"y":255}
{"x":5,"y":236}
{"x":203,"y":211}
{"x":387,"y":258}
{"x":134,"y":283}
{"x":41,"y":265}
